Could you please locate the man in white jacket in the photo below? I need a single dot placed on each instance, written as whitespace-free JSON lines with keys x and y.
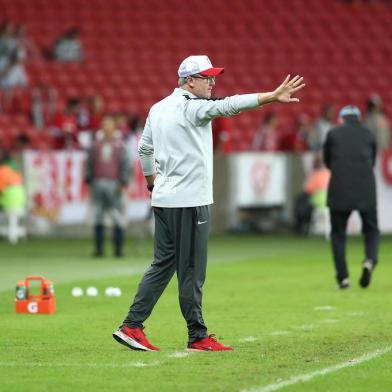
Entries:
{"x":176,"y":155}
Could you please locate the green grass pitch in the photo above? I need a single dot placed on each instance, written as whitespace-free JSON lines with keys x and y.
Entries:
{"x":273,"y":298}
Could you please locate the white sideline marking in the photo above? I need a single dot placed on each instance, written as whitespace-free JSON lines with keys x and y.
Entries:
{"x":307,"y":377}
{"x":328,"y":321}
{"x":178,"y":354}
{"x":306,"y":327}
{"x":356,"y":314}
{"x":280,"y":333}
{"x":145,"y":364}
{"x":137,"y":364}
{"x":324,"y":307}
{"x":248,"y":339}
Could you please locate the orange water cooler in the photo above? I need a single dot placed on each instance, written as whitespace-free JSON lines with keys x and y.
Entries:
{"x":42,"y":303}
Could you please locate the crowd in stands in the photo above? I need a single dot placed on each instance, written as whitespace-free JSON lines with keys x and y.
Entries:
{"x":73,"y":123}
{"x":69,"y":47}
{"x":308,"y":135}
{"x":76,"y":126}
{"x":14,"y":48}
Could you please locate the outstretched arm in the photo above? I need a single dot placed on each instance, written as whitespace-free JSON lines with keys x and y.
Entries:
{"x":284,"y":92}
{"x":203,"y":110}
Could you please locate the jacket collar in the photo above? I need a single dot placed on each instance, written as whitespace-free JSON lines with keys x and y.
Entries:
{"x":181,"y":91}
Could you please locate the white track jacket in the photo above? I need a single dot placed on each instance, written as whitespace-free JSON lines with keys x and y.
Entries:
{"x":177,"y":145}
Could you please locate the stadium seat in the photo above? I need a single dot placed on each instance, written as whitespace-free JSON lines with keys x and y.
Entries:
{"x":132,"y":50}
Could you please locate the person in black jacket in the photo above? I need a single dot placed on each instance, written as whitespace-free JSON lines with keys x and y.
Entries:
{"x":350,"y":153}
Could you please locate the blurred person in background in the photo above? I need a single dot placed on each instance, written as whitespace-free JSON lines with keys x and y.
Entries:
{"x":222,"y":128}
{"x":378,"y":122}
{"x":266,"y":137}
{"x":96,"y":111}
{"x":8,"y":43}
{"x":44,"y":100}
{"x":31,"y":52}
{"x":14,"y":74}
{"x":108,"y":173}
{"x":350,"y":153}
{"x":12,"y":57}
{"x":89,"y":119}
{"x":66,"y":125}
{"x":122,"y":125}
{"x":316,"y":184}
{"x":322,"y":126}
{"x":68,"y":47}
{"x":135,"y":125}
{"x":314,"y":195}
{"x":176,"y":155}
{"x":297,"y":139}
{"x":12,"y":192}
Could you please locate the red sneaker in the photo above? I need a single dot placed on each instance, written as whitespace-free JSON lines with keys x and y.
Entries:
{"x":133,"y":338}
{"x":208,"y":344}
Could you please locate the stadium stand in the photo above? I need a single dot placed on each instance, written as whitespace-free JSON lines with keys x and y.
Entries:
{"x":133,"y":47}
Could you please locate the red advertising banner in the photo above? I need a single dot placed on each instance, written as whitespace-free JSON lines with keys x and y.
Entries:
{"x":56,"y":191}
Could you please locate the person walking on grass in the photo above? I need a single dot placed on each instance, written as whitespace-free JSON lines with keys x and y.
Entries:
{"x":176,"y":156}
{"x":107,"y":172}
{"x":350,"y":153}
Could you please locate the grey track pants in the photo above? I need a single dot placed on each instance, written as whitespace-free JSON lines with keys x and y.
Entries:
{"x":180,"y":245}
{"x":107,"y":198}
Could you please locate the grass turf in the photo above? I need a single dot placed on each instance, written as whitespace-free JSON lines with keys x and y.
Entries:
{"x":273,"y":298}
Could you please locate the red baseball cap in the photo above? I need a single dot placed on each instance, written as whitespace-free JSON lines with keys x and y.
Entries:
{"x":198,"y":65}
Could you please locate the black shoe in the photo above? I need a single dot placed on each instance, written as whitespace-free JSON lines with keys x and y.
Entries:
{"x":366,"y":277}
{"x":98,"y":254}
{"x":344,"y":284}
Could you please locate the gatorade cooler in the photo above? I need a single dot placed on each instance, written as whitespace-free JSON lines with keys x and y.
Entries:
{"x":43,"y":303}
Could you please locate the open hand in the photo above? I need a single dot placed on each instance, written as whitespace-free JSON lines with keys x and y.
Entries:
{"x":284,"y":92}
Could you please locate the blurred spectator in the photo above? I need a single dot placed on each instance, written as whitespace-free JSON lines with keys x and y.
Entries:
{"x":378,"y":122}
{"x":89,"y":119}
{"x":136,"y":125}
{"x":8,"y":43}
{"x":83,"y":118}
{"x":30,"y":51}
{"x":96,"y":110}
{"x":107,"y":173}
{"x":221,"y":132}
{"x":314,"y":195}
{"x":14,"y":75}
{"x":317,"y":183}
{"x":68,"y":47}
{"x":22,"y":142}
{"x":12,"y":194}
{"x":266,"y":137}
{"x":43,"y":105}
{"x":66,"y":125}
{"x":12,"y":71}
{"x":12,"y":197}
{"x":122,"y":124}
{"x":322,"y":126}
{"x":298,"y":138}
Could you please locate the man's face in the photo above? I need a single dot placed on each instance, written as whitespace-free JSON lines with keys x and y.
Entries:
{"x":108,"y":126}
{"x":201,"y":85}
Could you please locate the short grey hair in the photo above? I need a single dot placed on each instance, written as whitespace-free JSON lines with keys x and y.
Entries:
{"x":182,"y":81}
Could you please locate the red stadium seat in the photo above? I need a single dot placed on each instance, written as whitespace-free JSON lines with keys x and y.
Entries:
{"x":132,"y":49}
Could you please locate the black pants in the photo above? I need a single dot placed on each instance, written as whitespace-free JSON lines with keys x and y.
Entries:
{"x":338,"y":238}
{"x":180,"y":245}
